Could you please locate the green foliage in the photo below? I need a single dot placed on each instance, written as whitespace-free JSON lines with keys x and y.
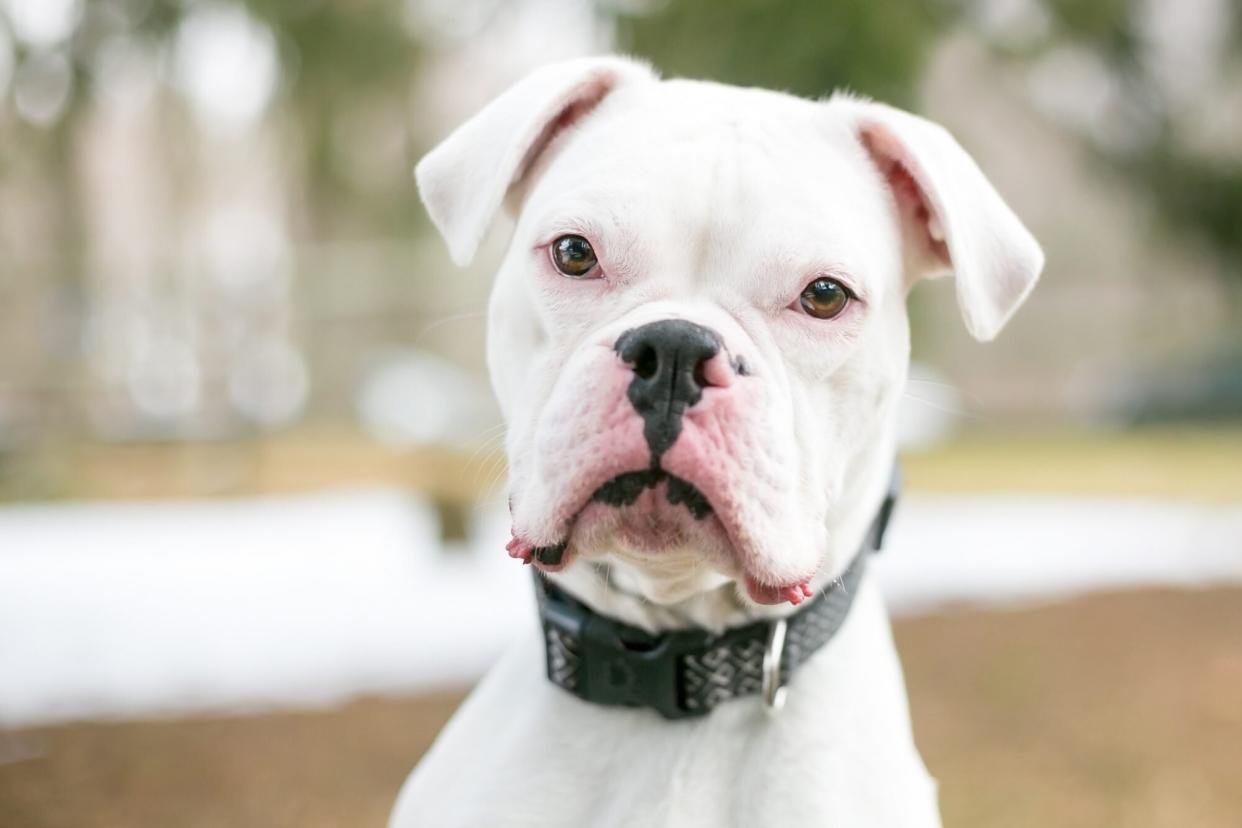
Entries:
{"x":1193,"y":193}
{"x":1104,"y":25}
{"x":338,"y":58}
{"x":335,"y":59}
{"x":1199,"y":196}
{"x":808,"y":47}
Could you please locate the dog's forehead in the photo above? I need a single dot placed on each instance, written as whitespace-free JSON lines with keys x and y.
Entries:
{"x":731,"y":134}
{"x":734,"y":162}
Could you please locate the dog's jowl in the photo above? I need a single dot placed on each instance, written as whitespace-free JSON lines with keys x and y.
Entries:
{"x":698,"y":337}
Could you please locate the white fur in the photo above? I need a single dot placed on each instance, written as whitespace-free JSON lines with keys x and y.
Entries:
{"x":716,"y":205}
{"x":465,"y":178}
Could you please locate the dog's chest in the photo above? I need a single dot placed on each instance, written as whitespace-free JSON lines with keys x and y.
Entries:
{"x":524,"y":753}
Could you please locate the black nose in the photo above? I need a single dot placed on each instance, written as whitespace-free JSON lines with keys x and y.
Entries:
{"x":668,"y":360}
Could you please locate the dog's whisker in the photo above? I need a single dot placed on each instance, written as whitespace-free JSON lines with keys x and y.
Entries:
{"x":486,"y":447}
{"x":934,"y":383}
{"x":485,"y":453}
{"x":939,"y":405}
{"x":958,"y":410}
{"x":500,"y":467}
{"x":447,"y":320}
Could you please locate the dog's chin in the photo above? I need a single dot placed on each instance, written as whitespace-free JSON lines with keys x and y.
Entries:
{"x":660,"y":525}
{"x":649,"y":522}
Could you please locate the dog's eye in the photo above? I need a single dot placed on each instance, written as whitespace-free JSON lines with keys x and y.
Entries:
{"x":573,"y":256}
{"x":825,"y":298}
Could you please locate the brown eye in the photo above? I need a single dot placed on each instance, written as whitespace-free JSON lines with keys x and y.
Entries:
{"x":825,"y":298}
{"x":573,"y":256}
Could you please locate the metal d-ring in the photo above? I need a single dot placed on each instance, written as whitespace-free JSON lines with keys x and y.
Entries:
{"x":773,"y":688}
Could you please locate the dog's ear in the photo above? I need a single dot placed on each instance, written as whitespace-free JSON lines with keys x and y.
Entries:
{"x":953,"y":220}
{"x":464,"y":180}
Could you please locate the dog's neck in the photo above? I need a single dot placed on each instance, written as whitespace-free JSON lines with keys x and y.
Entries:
{"x":620,"y":589}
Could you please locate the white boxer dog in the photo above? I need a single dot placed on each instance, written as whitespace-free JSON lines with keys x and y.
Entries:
{"x":698,"y":338}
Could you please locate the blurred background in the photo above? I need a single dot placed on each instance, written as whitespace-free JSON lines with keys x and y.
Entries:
{"x":249,"y":460}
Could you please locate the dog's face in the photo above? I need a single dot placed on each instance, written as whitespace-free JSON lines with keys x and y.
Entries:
{"x":698,"y":335}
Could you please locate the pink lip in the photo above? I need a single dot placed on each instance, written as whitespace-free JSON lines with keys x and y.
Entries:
{"x":647,"y":523}
{"x":765,"y":594}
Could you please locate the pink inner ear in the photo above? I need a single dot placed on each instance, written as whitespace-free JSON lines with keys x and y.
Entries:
{"x":581,"y":101}
{"x":912,"y":202}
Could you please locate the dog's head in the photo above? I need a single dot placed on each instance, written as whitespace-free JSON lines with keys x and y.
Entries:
{"x":698,"y":335}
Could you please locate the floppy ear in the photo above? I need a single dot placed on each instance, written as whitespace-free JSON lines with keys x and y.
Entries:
{"x":464,"y":180}
{"x":953,"y":220}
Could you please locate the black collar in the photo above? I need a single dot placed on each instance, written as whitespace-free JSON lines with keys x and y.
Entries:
{"x":687,"y":672}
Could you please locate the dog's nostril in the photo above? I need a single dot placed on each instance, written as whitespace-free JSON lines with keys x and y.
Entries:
{"x":700,"y":374}
{"x":647,"y":363}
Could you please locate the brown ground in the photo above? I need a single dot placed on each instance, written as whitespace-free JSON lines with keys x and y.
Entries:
{"x":1118,"y":710}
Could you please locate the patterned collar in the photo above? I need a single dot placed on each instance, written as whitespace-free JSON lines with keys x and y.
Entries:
{"x":687,"y":672}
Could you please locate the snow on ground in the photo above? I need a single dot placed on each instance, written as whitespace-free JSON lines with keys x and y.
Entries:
{"x":996,"y":549}
{"x":148,"y":609}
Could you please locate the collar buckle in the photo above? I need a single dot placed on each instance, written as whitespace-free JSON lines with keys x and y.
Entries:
{"x":607,"y":662}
